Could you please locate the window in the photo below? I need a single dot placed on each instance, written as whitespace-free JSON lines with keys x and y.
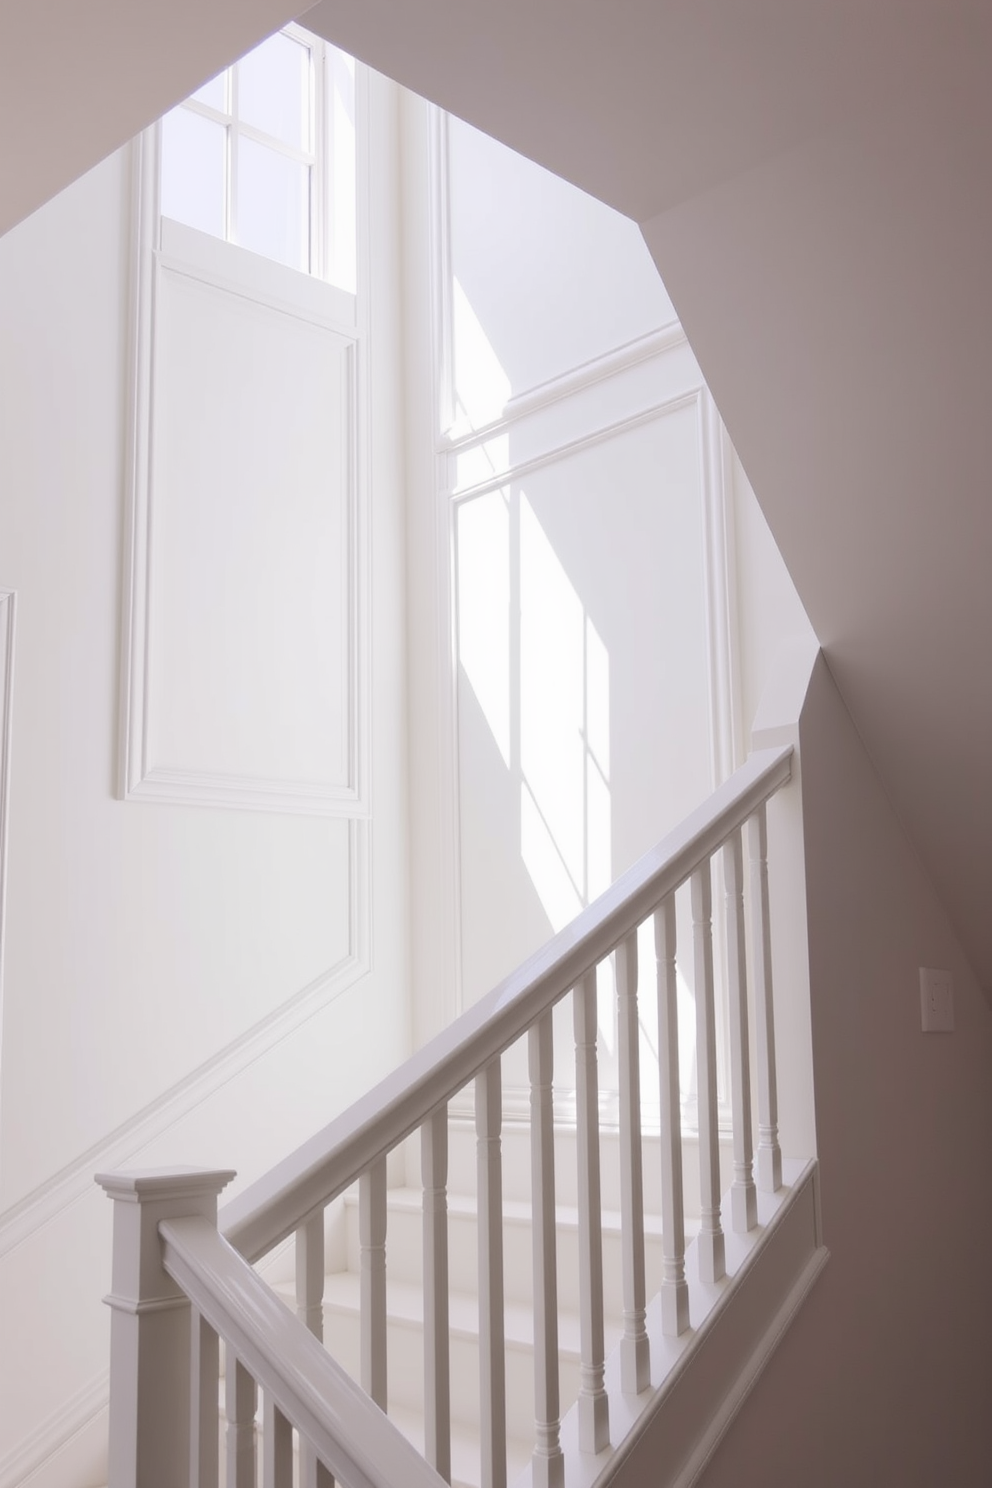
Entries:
{"x":263,"y":156}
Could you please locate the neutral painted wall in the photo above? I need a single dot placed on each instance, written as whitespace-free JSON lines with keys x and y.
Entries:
{"x":158,"y":956}
{"x":885,"y":1375}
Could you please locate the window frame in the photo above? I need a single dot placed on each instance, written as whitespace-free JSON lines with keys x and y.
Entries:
{"x":318,"y":159}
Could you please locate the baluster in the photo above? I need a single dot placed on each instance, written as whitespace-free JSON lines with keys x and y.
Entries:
{"x":548,"y":1465}
{"x":204,"y":1378}
{"x":277,"y":1444}
{"x":743,"y":1194}
{"x":372,"y":1244}
{"x":594,"y":1406}
{"x":437,"y":1380}
{"x":712,"y":1265}
{"x":674,"y":1288}
{"x":241,"y":1401}
{"x":635,"y":1357}
{"x":310,"y":1311}
{"x":492,"y":1355}
{"x":769,"y":1152}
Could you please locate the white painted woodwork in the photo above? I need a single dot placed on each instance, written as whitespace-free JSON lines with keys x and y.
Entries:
{"x":270,"y":1209}
{"x":7,"y":613}
{"x":635,"y":1354}
{"x":711,"y":1239}
{"x":349,"y":1433}
{"x":241,"y":1404}
{"x":310,"y":1274}
{"x":372,"y":1232}
{"x":492,"y":1355}
{"x":743,"y":1195}
{"x":310,"y":1311}
{"x":150,"y":1353}
{"x":277,"y":1444}
{"x":548,"y":1463}
{"x":594,"y":1406}
{"x":437,"y":1381}
{"x":769,"y":1157}
{"x":674,"y":1288}
{"x":258,"y":702}
{"x":272,"y":1350}
{"x":204,"y":1457}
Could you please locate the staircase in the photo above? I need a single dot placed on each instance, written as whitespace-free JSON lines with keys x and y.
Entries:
{"x":405,"y":1291}
{"x":511,"y":1333}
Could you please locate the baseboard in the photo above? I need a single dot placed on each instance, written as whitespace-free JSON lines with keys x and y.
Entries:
{"x":749,"y":1376}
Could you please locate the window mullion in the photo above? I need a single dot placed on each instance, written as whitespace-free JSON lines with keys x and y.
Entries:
{"x":232,"y":161}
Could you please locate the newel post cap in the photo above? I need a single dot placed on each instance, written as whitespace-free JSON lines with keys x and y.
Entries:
{"x":165,"y":1185}
{"x":142,"y":1199}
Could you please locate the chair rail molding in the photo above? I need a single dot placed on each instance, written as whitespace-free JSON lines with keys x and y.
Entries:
{"x":120,"y":1146}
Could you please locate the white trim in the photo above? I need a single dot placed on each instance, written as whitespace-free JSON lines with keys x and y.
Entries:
{"x":44,"y":1203}
{"x":228,"y":269}
{"x":445,"y":588}
{"x":715,"y":471}
{"x":8,"y":602}
{"x":660,"y":409}
{"x":577,"y":380}
{"x":56,"y":1432}
{"x":777,"y":1327}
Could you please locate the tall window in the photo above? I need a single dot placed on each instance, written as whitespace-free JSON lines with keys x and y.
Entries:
{"x":263,"y":156}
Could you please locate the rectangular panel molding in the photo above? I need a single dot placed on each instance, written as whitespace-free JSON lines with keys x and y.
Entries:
{"x":245,"y":633}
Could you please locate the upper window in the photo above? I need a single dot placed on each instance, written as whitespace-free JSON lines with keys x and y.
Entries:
{"x":264,"y":156}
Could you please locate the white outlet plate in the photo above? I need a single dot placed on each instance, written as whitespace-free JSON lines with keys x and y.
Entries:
{"x":936,"y":1000}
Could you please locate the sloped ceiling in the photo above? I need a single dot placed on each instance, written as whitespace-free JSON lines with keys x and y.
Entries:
{"x":815,"y":182}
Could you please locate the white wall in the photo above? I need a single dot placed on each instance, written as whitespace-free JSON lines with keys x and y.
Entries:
{"x":182,"y":983}
{"x":597,"y":600}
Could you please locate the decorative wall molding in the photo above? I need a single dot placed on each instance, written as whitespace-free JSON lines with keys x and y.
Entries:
{"x":229,"y":272}
{"x":636,"y":365}
{"x":7,"y":614}
{"x":58,"y":1431}
{"x":577,"y":380}
{"x":511,"y":473}
{"x":44,"y":1203}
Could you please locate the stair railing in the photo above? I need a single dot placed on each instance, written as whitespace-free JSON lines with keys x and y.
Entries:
{"x":177,"y":1279}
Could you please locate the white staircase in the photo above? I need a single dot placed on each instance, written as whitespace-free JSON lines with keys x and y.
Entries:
{"x":478,"y":1301}
{"x":405,"y":1290}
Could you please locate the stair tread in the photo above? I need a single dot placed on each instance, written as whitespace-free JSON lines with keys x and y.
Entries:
{"x":410,"y":1200}
{"x":405,"y":1306}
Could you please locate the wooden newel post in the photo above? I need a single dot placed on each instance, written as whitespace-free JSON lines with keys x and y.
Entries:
{"x":150,"y":1347}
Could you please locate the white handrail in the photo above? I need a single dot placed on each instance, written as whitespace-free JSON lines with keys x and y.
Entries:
{"x":273,"y":1207}
{"x":346,"y":1430}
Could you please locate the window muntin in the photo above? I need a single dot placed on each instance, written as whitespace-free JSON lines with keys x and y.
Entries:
{"x":263,"y":156}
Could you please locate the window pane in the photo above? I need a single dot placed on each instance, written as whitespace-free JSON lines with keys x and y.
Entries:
{"x":273,"y":205}
{"x":193,"y":164}
{"x":274,"y":90}
{"x":214,"y":93}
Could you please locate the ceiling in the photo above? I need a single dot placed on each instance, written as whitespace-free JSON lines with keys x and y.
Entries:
{"x":815,"y":182}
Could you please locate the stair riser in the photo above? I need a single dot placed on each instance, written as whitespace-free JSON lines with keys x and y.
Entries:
{"x":405,"y":1354}
{"x":515,"y":1149}
{"x":404,"y":1257}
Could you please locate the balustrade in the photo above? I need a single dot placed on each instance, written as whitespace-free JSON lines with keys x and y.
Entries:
{"x":180,"y":1287}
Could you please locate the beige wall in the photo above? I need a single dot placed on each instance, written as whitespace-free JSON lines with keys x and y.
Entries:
{"x":885,"y":1375}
